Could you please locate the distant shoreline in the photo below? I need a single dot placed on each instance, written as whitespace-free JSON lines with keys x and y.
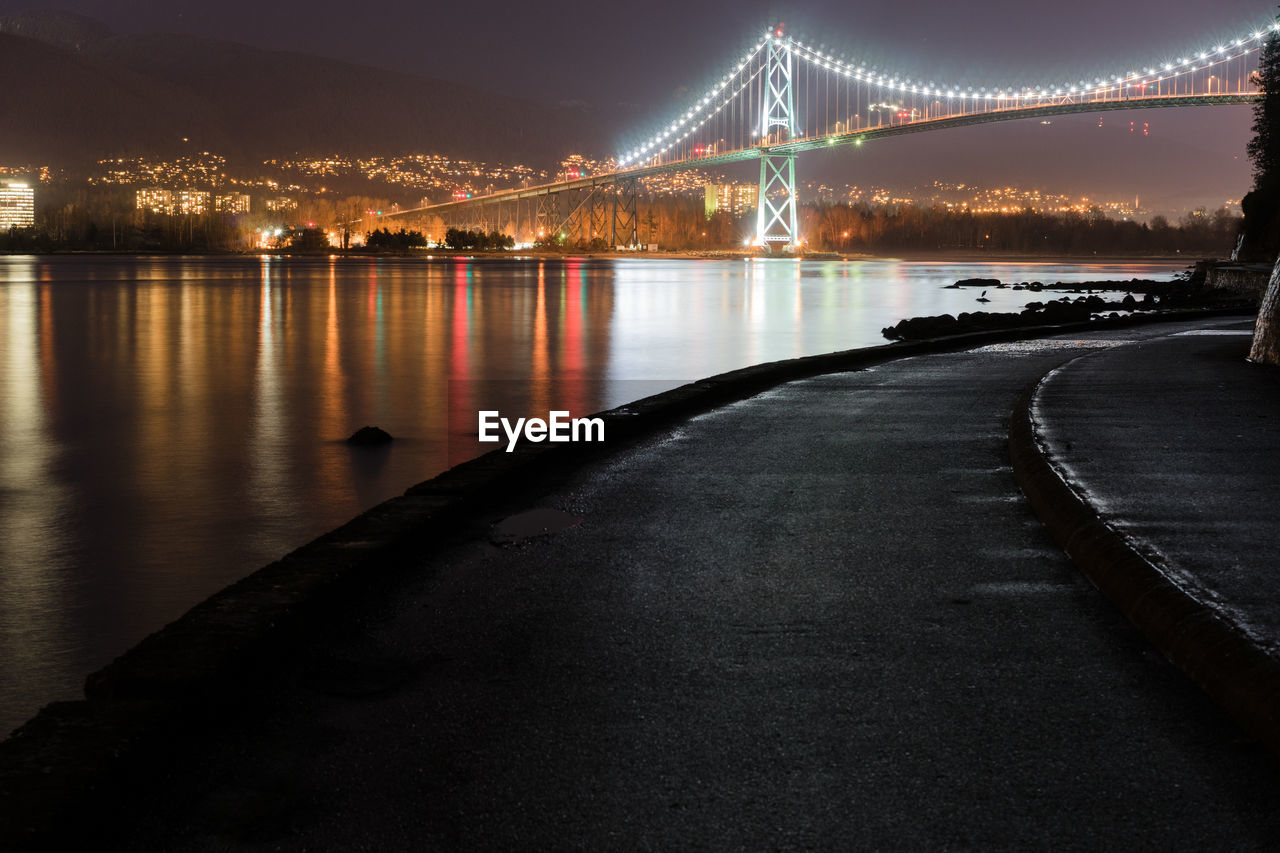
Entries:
{"x":923,"y":255}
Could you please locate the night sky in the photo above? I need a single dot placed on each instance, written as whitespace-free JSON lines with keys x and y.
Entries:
{"x":646,"y":55}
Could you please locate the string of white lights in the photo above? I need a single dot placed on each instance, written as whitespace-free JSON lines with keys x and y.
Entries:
{"x":1132,"y":80}
{"x":695,"y":128}
{"x":706,"y":103}
{"x":707,"y":118}
{"x":686,"y":125}
{"x":1251,"y":42}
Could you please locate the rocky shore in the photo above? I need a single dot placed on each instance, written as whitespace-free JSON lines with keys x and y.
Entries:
{"x":1082,"y":302}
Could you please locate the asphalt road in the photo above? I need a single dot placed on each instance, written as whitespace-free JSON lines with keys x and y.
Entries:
{"x":820,"y":618}
{"x":1188,"y":470}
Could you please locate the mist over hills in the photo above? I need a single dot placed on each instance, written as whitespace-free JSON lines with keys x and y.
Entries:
{"x":72,"y":92}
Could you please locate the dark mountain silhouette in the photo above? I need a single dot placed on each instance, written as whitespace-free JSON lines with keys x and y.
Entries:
{"x":62,"y":29}
{"x":74,"y":92}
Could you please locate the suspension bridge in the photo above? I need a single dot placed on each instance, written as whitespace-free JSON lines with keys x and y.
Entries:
{"x":785,"y":97}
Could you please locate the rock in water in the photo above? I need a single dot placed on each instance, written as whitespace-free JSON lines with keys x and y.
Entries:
{"x":369,"y":436}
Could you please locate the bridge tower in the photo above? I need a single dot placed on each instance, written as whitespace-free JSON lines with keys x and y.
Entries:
{"x":776,"y":208}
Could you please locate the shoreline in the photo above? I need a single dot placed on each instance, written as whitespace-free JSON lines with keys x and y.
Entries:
{"x":940,"y":256}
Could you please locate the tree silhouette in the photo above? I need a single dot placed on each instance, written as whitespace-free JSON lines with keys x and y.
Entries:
{"x":1262,"y":204}
{"x":456,"y":238}
{"x":401,"y":240}
{"x":1262,"y":219}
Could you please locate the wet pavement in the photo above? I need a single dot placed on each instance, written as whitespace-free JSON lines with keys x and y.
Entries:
{"x":1176,"y":442}
{"x":823,"y":617}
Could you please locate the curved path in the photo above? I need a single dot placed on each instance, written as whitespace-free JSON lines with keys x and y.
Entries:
{"x":823,"y":617}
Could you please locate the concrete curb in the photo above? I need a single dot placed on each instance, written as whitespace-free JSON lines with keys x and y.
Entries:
{"x":1237,"y":674}
{"x":184,"y":674}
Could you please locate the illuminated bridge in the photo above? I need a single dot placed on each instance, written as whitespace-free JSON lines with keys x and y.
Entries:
{"x":785,"y":97}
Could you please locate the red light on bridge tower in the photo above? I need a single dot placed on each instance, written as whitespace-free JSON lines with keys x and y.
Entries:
{"x":780,"y":30}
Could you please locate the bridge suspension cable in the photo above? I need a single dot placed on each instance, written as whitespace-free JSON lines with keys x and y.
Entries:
{"x":807,"y":98}
{"x":842,"y":92}
{"x":784,"y":97}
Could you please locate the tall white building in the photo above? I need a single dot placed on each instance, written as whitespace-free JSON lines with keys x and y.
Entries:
{"x":17,"y":206}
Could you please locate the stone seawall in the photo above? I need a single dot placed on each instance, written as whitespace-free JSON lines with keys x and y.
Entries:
{"x":1248,"y":279}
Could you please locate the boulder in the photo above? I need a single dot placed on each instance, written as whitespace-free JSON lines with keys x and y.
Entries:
{"x":369,"y":436}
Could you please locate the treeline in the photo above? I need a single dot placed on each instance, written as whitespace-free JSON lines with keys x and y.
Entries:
{"x":104,"y":219}
{"x":862,"y":228}
{"x":671,"y":222}
{"x":141,"y":233}
{"x":681,"y":224}
{"x":456,"y":238}
{"x":403,"y":239}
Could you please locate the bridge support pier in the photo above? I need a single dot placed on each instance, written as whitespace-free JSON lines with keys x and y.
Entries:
{"x":776,"y":204}
{"x":623,"y":223}
{"x":600,"y":212}
{"x":548,"y":217}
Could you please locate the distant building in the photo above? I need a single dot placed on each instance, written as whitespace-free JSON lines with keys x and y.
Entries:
{"x":173,"y":202}
{"x":17,"y":206}
{"x":736,"y":199}
{"x":191,"y":202}
{"x":231,"y":203}
{"x":275,"y":205}
{"x":154,"y":200}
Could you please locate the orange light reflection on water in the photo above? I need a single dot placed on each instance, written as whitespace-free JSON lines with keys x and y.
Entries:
{"x":168,"y":425}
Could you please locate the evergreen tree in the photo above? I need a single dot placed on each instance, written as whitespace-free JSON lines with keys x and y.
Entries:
{"x":1262,"y":204}
{"x":1264,"y":148}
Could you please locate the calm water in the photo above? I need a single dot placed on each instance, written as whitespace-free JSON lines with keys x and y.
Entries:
{"x":167,"y":425}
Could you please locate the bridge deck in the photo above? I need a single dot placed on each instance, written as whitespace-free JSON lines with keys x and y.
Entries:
{"x":831,"y":140}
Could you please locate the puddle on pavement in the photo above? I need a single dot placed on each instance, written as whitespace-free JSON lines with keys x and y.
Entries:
{"x":1200,"y":332}
{"x":1017,"y":589}
{"x":1011,"y":498}
{"x":531,"y":525}
{"x":1045,"y":344}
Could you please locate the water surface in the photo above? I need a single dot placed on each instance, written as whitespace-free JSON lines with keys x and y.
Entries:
{"x":169,"y":424}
